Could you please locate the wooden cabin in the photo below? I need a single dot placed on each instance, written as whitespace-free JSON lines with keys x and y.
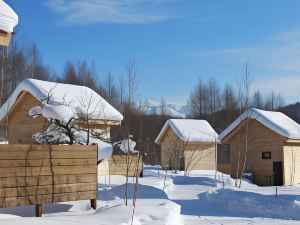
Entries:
{"x":14,"y":113}
{"x":187,"y":145}
{"x":269,"y":145}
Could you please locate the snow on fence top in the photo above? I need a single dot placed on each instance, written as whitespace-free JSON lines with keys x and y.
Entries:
{"x":276,"y":121}
{"x":189,"y":130}
{"x":8,"y":18}
{"x":80,"y":99}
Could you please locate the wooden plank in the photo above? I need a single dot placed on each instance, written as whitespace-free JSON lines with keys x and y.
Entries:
{"x":72,"y":179}
{"x":46,"y":171}
{"x":65,"y":197}
{"x":46,"y":189}
{"x":73,"y":162}
{"x":47,"y":162}
{"x":70,"y":170}
{"x":28,"y":147}
{"x":6,"y":182}
{"x":67,"y":188}
{"x":35,"y":175}
{"x":27,"y":200}
{"x":25,"y":171}
{"x":88,"y":154}
{"x":5,"y":155}
{"x":38,"y":210}
{"x":26,"y":191}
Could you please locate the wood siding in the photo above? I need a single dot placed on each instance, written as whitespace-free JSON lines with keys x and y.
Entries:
{"x":291,"y":155}
{"x":170,"y":149}
{"x":197,"y":155}
{"x":21,"y":126}
{"x":200,"y":156}
{"x":224,"y":168}
{"x":260,"y":139}
{"x":41,"y":174}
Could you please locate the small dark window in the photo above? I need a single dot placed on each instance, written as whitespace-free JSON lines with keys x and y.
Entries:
{"x":266,"y":155}
{"x":223,"y":153}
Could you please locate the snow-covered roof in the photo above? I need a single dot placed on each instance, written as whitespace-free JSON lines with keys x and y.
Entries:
{"x":8,"y":18}
{"x":80,"y":99}
{"x":189,"y":130}
{"x":276,"y":121}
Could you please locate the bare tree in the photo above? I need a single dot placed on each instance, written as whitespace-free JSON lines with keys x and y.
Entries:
{"x":245,"y":86}
{"x":131,"y":78}
{"x":230,"y":103}
{"x":198,"y":101}
{"x":257,"y":101}
{"x":213,"y":98}
{"x":162,"y":107}
{"x":34,"y":56}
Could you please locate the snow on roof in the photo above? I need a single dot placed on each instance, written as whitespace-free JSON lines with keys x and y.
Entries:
{"x":276,"y":121}
{"x":190,"y":130}
{"x":82,"y":100}
{"x":8,"y":18}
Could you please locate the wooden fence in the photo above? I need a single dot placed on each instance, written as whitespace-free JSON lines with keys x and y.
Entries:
{"x":117,"y":166}
{"x":41,"y":174}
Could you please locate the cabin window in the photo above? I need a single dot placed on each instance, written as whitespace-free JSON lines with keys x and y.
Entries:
{"x":223,"y":154}
{"x":266,"y":155}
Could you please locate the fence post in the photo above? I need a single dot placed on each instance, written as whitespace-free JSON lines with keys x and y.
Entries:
{"x":94,"y":203}
{"x":38,"y":210}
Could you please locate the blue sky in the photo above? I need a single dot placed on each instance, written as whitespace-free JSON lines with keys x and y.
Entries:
{"x":173,"y":42}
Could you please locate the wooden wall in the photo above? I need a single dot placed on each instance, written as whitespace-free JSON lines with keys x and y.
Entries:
{"x":197,"y":155}
{"x":291,"y":164}
{"x":260,"y":139}
{"x":118,"y":166}
{"x":21,"y":126}
{"x":224,"y":168}
{"x":170,"y":148}
{"x":38,"y":174}
{"x":5,"y":38}
{"x":200,"y":156}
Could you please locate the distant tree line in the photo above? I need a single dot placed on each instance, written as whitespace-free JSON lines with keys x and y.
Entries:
{"x":220,"y":105}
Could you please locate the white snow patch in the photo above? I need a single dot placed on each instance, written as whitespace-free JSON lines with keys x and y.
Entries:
{"x":59,"y":112}
{"x":104,"y":149}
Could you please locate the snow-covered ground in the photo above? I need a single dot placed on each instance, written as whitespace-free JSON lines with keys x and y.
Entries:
{"x":184,"y":200}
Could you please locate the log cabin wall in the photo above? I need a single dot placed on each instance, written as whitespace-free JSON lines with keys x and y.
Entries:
{"x":197,"y":155}
{"x":41,"y":174}
{"x":260,"y":139}
{"x":291,"y":163}
{"x":21,"y":126}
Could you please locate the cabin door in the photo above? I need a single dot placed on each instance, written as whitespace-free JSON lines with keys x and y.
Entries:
{"x":278,"y":174}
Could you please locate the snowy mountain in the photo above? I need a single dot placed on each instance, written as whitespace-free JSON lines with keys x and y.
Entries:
{"x":153,"y":107}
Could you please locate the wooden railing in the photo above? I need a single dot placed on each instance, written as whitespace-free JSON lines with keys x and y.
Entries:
{"x":42,"y":174}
